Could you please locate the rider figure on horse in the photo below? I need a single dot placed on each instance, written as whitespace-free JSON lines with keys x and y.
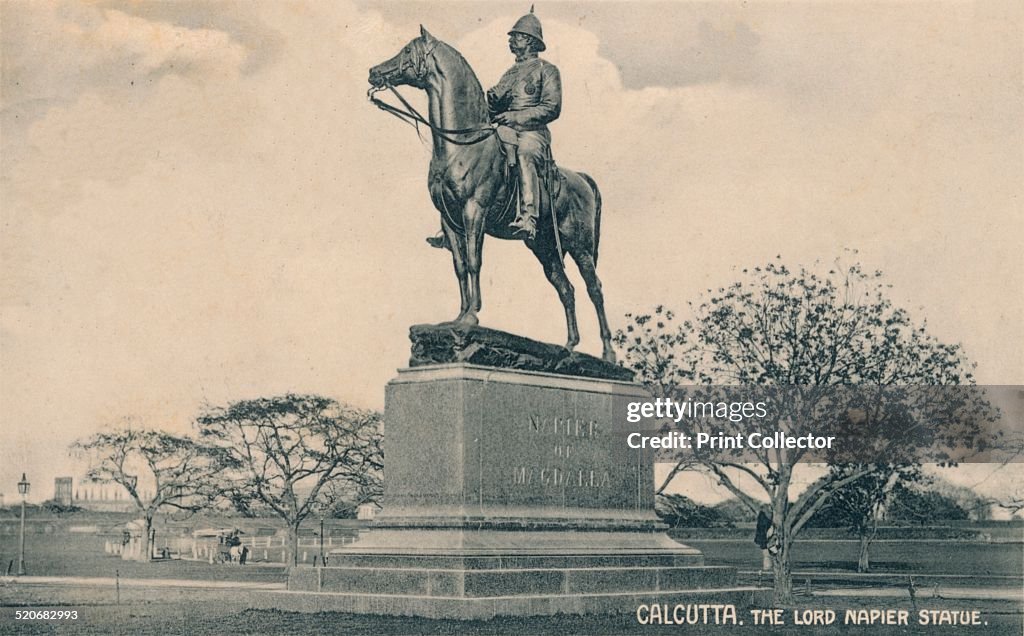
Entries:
{"x":526,"y":99}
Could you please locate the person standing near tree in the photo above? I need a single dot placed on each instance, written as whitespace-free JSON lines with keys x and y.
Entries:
{"x":762,"y":536}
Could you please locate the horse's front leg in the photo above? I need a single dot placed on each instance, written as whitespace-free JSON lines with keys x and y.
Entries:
{"x":458,"y":243}
{"x":473,"y":221}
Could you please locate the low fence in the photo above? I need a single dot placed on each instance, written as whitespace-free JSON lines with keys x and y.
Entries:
{"x":272,"y":549}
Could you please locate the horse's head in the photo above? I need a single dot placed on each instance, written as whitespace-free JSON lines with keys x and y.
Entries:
{"x":409,"y":67}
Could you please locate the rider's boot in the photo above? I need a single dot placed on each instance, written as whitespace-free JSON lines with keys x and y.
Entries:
{"x":529,"y":198}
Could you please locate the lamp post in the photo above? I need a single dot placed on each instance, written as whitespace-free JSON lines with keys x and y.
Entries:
{"x":23,"y":486}
{"x":323,"y":511}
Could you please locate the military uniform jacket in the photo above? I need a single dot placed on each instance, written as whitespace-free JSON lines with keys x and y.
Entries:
{"x":529,"y":93}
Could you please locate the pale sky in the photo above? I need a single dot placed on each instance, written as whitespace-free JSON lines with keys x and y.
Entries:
{"x":199,"y":205}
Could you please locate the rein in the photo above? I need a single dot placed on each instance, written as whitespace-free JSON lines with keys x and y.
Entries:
{"x":412,"y":117}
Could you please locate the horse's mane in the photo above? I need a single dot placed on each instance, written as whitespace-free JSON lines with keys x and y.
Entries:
{"x":471,"y":100}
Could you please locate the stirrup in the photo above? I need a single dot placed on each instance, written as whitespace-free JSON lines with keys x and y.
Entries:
{"x":526,"y":226}
{"x":440,"y":241}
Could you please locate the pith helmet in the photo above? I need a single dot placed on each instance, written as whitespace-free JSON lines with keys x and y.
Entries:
{"x":530,"y":25}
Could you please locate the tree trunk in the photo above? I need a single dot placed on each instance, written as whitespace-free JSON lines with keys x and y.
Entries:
{"x":782,"y":568}
{"x":293,"y":545}
{"x":867,"y":535}
{"x":145,"y":549}
{"x":864,"y":556}
{"x":782,"y":571}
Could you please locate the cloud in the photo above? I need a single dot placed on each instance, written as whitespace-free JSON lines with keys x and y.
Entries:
{"x":156,"y":45}
{"x":55,"y":51}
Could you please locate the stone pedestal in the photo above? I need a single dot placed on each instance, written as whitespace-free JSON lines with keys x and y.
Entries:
{"x":507,"y":494}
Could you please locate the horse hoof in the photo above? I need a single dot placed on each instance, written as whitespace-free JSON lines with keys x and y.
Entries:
{"x":609,"y":356}
{"x":467,"y":319}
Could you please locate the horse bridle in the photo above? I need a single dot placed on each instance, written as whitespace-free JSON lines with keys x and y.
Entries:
{"x":413,"y":117}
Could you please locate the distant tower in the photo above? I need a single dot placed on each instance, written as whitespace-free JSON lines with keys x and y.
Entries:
{"x":62,"y":491}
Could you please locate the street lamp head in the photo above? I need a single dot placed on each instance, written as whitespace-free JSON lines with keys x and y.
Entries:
{"x":23,"y":486}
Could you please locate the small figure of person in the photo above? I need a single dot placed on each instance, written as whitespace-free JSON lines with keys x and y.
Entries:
{"x":232,"y":542}
{"x":243,"y":555}
{"x":763,"y":536}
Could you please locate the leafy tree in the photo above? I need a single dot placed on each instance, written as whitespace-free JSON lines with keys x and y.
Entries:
{"x":181,"y":472}
{"x":978,"y":508}
{"x":343,"y":510}
{"x":289,"y":453}
{"x":860,"y":504}
{"x":341,"y":499}
{"x":679,"y":511}
{"x":55,"y":507}
{"x":802,"y":338}
{"x":920,"y":506}
{"x":735,"y":511}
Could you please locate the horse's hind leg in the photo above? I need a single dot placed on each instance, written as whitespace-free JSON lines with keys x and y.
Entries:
{"x":588,"y":270}
{"x":555,"y":272}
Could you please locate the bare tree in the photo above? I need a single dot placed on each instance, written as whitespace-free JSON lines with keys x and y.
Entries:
{"x":289,"y":453}
{"x":181,"y":471}
{"x":1014,"y":503}
{"x":831,"y":350}
{"x":1011,"y":497}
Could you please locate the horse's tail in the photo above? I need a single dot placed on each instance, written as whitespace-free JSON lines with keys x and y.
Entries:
{"x":597,"y":211}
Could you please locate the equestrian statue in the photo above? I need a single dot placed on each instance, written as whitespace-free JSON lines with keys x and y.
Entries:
{"x":492,"y":170}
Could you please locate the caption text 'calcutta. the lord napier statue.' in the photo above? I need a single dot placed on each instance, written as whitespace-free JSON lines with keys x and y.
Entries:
{"x":490,"y":152}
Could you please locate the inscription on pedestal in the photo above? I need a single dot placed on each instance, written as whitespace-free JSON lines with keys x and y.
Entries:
{"x":567,"y":437}
{"x":561,"y":477}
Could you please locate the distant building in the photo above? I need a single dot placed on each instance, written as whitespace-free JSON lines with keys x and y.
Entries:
{"x":63,"y":490}
{"x":104,"y":496}
{"x":367,"y":511}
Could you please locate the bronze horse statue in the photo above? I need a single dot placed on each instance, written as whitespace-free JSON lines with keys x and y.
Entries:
{"x":475,"y":194}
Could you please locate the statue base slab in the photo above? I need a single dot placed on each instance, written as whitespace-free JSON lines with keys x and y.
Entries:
{"x":449,"y":343}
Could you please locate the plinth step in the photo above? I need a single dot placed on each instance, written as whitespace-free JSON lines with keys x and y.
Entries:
{"x":621,"y":559}
{"x":493,"y":583}
{"x":486,"y":608}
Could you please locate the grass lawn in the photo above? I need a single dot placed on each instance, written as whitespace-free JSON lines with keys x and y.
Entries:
{"x":912,"y":557}
{"x":67,"y":554}
{"x":82,"y":555}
